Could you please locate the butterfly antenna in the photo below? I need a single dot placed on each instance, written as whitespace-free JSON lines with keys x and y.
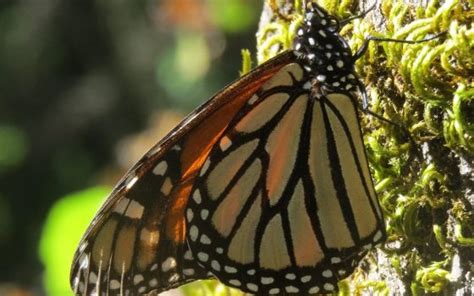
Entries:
{"x":414,"y":150}
{"x":361,"y":51}
{"x":344,"y":22}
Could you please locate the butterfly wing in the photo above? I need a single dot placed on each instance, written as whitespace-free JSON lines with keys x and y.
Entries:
{"x":284,"y":202}
{"x":137,"y":241}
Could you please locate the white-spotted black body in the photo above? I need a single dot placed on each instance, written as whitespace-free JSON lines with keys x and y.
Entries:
{"x":326,"y":56}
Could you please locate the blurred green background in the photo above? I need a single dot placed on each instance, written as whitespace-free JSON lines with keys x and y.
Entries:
{"x":86,"y":87}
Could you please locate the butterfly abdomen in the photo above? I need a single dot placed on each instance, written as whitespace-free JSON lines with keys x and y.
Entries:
{"x":325,"y":55}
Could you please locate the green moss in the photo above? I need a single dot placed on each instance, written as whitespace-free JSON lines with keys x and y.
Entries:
{"x":428,"y":89}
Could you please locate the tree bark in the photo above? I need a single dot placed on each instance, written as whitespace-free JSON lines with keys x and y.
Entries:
{"x":427,"y":88}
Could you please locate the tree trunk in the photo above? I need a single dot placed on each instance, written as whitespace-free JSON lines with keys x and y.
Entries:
{"x":424,"y":180}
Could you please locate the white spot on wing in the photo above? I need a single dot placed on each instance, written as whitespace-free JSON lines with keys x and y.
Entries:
{"x":267,"y":280}
{"x":225,"y":143}
{"x":305,"y":279}
{"x":75,"y":281}
{"x":153,"y":150}
{"x":205,"y":240}
{"x":137,"y":279}
{"x":153,"y":283}
{"x":291,"y":289}
{"x":203,"y":256}
{"x":122,"y":205}
{"x":204,"y":167}
{"x":197,"y":197}
{"x":173,"y":278}
{"x":335,"y":260}
{"x":160,"y":169}
{"x":92,"y":278}
{"x":252,"y":287}
{"x":314,"y":289}
{"x":168,"y":264}
{"x":215,"y":265}
{"x":193,"y":233}
{"x":377,"y":236}
{"x":114,"y":284}
{"x":84,"y":261}
{"x":327,"y":273}
{"x":80,"y":287}
{"x":83,"y":246}
{"x":189,"y":215}
{"x":188,"y":271}
{"x":131,"y":181}
{"x":328,"y":286}
{"x":253,"y":99}
{"x":166,"y":187}
{"x":291,"y":276}
{"x":230,"y":269}
{"x":204,"y":214}
{"x":188,"y":255}
{"x":134,"y":210}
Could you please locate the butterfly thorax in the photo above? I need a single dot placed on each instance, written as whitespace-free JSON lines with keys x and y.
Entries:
{"x":325,"y":55}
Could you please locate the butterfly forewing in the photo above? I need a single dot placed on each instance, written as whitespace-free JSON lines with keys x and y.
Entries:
{"x":284,"y":201}
{"x":137,"y":242}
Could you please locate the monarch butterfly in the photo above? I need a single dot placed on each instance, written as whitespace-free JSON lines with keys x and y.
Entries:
{"x":266,"y":186}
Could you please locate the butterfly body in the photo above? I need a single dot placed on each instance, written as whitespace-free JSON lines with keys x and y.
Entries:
{"x":266,"y":186}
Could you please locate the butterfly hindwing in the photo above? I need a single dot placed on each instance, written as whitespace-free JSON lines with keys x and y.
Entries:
{"x":272,"y":211}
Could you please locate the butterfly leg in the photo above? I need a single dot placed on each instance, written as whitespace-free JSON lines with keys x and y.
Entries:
{"x":344,"y":22}
{"x":361,"y":51}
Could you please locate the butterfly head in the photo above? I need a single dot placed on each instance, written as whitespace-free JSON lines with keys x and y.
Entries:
{"x":325,"y":55}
